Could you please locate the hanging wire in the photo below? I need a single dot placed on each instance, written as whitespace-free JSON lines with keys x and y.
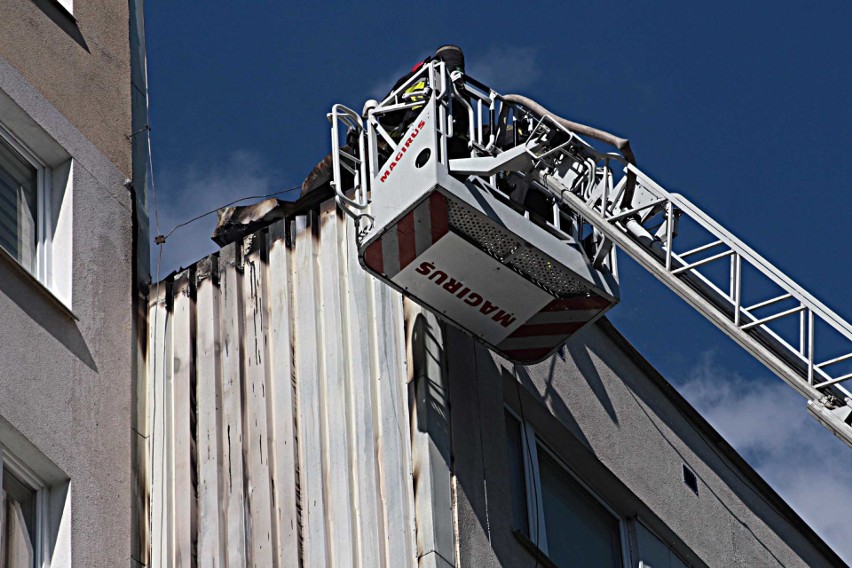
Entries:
{"x":161,"y":239}
{"x":151,"y":444}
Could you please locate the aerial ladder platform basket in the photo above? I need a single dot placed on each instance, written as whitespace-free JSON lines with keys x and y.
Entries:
{"x":455,"y":242}
{"x":499,"y":217}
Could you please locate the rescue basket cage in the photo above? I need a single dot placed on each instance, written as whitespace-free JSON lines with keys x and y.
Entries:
{"x":438,"y":178}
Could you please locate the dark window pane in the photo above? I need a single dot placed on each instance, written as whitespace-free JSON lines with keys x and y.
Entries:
{"x":517,"y":486}
{"x":18,"y":213}
{"x":20,"y":505}
{"x":580,"y":531}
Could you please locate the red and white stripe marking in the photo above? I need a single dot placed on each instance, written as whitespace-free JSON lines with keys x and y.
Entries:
{"x":418,"y":230}
{"x":549,"y":328}
{"x":425,"y":225}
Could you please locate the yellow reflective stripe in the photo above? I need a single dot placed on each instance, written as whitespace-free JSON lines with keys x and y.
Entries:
{"x":418,"y":86}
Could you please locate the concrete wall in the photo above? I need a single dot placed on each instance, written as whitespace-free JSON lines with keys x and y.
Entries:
{"x":66,"y":378}
{"x":623,"y":431}
{"x":80,"y":64}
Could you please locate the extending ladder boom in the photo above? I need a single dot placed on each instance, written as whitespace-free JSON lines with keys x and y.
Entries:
{"x":646,"y":232}
{"x":526,"y":192}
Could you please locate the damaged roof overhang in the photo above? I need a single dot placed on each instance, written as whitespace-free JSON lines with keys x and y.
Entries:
{"x":236,"y":222}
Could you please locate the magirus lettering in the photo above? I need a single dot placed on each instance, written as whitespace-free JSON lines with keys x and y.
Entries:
{"x":402,"y":150}
{"x":452,"y":286}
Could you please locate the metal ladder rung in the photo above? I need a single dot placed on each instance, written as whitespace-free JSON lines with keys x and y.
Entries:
{"x":768,"y":302}
{"x":835,"y":360}
{"x":699,"y":249}
{"x":350,"y":156}
{"x":833,"y":381}
{"x":349,"y":168}
{"x":702,"y":261}
{"x":636,"y":209}
{"x":772,"y":317}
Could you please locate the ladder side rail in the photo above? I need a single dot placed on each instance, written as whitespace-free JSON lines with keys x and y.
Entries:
{"x":809,"y":305}
{"x":746,"y":252}
{"x":787,"y":361}
{"x":794,"y":357}
{"x":697,"y":300}
{"x":726,"y":302}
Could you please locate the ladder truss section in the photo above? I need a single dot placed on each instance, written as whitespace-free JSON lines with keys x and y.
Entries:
{"x":800,"y":339}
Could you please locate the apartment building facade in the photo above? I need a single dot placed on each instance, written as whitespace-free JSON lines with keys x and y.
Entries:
{"x":73,"y":228}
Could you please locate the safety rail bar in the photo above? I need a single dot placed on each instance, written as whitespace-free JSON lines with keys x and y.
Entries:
{"x":355,"y":165}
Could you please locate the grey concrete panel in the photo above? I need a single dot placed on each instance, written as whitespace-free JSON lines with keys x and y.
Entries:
{"x":26,"y":108}
{"x":68,"y":389}
{"x":88,"y":81}
{"x":619,"y":427}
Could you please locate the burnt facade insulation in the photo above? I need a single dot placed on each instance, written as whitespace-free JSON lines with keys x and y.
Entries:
{"x":301,"y":413}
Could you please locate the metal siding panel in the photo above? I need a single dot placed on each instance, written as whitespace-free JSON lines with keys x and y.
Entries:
{"x":308,"y":350}
{"x":208,"y":396}
{"x":180,"y":434}
{"x":232,"y":441}
{"x":357,"y":317}
{"x":282,"y":443}
{"x":160,"y":373}
{"x":431,"y":444}
{"x":392,"y":425}
{"x":335,"y":419}
{"x":303,"y":352}
{"x":256,"y":447}
{"x":397,"y":351}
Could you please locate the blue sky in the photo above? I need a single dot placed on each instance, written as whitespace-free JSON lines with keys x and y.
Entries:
{"x":742,"y":107}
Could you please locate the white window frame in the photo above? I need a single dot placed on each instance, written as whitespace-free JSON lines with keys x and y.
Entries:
{"x":19,"y":469}
{"x":56,"y":279}
{"x":68,"y":5}
{"x":531,"y":444}
{"x":43,"y":235}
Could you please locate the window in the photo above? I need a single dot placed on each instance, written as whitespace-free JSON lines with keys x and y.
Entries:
{"x":18,"y":206}
{"x":22,"y":500}
{"x":36,"y":210}
{"x":564,"y":519}
{"x":35,"y":506}
{"x":653,"y":552}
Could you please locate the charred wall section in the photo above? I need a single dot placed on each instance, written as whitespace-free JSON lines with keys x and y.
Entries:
{"x":278,"y":409}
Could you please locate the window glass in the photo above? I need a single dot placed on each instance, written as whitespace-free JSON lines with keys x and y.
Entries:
{"x":653,"y":552}
{"x":515,"y":458}
{"x":580,"y":531}
{"x":18,"y":521}
{"x":18,"y":213}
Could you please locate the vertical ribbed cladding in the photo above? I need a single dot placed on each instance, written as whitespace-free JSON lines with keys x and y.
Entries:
{"x":281,"y":380}
{"x":279,"y":364}
{"x":211,"y":488}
